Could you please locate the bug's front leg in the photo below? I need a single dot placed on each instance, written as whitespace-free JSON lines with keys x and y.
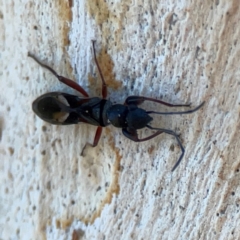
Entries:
{"x":132,"y":135}
{"x":170,"y":132}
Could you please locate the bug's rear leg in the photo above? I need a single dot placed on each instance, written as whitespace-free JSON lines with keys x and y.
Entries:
{"x":104,"y":85}
{"x":95,"y":141}
{"x":62,"y":79}
{"x":136,"y":100}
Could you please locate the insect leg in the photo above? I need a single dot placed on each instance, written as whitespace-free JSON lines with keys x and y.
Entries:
{"x":95,"y":141}
{"x":97,"y":136}
{"x":132,"y":135}
{"x":104,"y":85}
{"x":178,"y":140}
{"x":62,"y":79}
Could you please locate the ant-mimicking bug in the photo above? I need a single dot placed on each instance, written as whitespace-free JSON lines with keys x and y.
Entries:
{"x":63,"y":109}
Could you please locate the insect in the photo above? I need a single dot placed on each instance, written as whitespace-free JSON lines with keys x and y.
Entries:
{"x":63,"y":109}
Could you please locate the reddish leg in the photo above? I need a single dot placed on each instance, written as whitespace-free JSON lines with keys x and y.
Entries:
{"x":104,"y":85}
{"x":170,"y":132}
{"x":132,"y":135}
{"x":62,"y":79}
{"x":139,"y":99}
{"x":97,"y":137}
{"x":95,"y":141}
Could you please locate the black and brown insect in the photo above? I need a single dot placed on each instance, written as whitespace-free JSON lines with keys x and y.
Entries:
{"x":64,"y":109}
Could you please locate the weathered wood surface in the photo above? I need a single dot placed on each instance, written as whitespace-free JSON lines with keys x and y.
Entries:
{"x":177,"y":51}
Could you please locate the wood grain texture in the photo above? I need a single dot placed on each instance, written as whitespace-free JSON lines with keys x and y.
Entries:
{"x":176,"y":51}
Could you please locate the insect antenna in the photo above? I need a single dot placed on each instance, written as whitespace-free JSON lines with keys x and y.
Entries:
{"x":178,"y":112}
